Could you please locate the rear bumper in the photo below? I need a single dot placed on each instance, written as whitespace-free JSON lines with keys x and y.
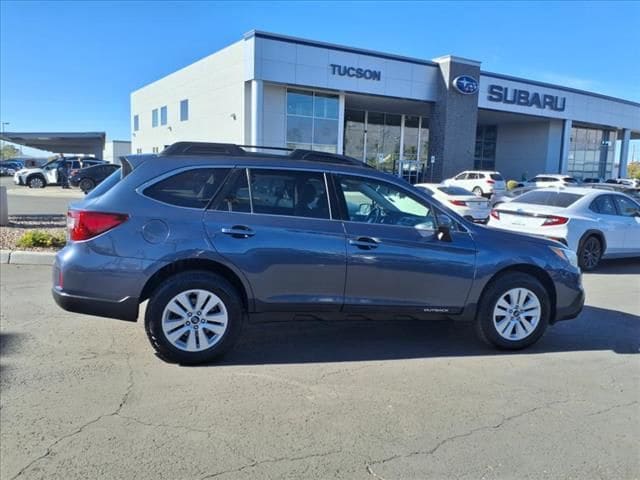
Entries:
{"x":124,"y":309}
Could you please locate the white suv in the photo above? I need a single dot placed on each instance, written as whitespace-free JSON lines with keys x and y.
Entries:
{"x":48,"y":173}
{"x":480,"y":182}
{"x":552,"y":180}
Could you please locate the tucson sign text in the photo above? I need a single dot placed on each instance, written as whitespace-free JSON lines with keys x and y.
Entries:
{"x":355,"y":72}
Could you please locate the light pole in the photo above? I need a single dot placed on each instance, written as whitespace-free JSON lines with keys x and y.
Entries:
{"x":2,"y":124}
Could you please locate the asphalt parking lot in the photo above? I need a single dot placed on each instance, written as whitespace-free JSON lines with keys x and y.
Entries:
{"x":83,"y":397}
{"x":51,"y":200}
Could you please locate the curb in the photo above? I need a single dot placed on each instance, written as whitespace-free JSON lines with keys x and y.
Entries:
{"x":19,"y":257}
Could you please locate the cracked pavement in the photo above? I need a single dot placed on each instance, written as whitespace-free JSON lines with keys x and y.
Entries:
{"x":83,"y":397}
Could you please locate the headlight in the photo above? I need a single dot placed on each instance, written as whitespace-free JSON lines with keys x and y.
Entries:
{"x":567,"y":255}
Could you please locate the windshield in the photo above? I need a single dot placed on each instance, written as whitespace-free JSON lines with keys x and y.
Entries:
{"x":496,"y":176}
{"x":455,"y":191}
{"x":549,"y":197}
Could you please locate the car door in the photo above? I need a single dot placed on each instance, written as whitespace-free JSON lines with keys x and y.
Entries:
{"x":629,"y":211}
{"x":612,"y":225}
{"x":276,"y":227}
{"x":51,"y":173}
{"x":395,"y":257}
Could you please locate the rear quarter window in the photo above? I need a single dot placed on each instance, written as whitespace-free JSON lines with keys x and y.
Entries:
{"x":496,"y":176}
{"x":192,"y":188}
{"x":456,"y":191}
{"x":551,"y":198}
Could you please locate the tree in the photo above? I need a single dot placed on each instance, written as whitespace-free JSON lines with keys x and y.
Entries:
{"x":9,"y":151}
{"x":633,"y":170}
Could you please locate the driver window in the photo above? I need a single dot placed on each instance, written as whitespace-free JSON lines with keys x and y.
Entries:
{"x":373,"y":201}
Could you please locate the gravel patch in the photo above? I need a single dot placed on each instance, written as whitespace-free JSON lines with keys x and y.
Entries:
{"x":21,"y":224}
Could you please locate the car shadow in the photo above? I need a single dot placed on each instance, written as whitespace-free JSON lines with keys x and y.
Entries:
{"x":618,"y":266}
{"x":349,"y":341}
{"x":8,"y":344}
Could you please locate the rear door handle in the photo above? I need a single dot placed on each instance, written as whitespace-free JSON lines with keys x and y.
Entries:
{"x":238,"y":231}
{"x":364,"y":243}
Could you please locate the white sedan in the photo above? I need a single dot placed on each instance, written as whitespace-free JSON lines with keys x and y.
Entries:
{"x":461,"y":201}
{"x":594,"y":223}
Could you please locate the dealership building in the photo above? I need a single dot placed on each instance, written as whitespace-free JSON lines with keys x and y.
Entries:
{"x":422,"y":119}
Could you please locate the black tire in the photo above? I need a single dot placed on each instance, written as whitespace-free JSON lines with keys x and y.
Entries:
{"x":36,"y":181}
{"x":478,"y":191}
{"x":589,"y":253}
{"x":181,"y":282}
{"x":86,"y":185}
{"x":485,"y":327}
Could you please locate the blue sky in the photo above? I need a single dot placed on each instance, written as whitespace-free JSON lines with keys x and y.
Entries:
{"x":72,"y":65}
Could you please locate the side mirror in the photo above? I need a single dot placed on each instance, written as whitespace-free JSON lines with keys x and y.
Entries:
{"x":445,"y":225}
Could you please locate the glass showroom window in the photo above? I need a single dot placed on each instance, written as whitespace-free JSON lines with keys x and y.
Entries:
{"x":312,"y":121}
{"x":154,"y":117}
{"x":184,"y":110}
{"x":485,"y":155}
{"x":163,"y":115}
{"x":136,"y":123}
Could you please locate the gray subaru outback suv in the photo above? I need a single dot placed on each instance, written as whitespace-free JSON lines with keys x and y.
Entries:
{"x":213,"y":235}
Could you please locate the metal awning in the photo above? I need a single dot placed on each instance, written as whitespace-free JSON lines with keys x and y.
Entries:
{"x":88,"y":143}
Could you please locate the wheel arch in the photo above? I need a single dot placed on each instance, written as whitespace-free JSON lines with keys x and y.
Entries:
{"x":538,"y":273}
{"x":596,"y":233}
{"x":194,"y":264}
{"x":36,"y":174}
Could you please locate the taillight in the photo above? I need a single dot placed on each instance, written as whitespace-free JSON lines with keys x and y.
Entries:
{"x":491,"y":182}
{"x":459,"y":203}
{"x":495,"y":214}
{"x":554,"y":220}
{"x":84,"y":225}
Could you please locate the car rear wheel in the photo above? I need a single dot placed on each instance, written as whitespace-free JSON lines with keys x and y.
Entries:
{"x":477,"y":191}
{"x":36,"y":182}
{"x":193,"y":317}
{"x":590,"y":253}
{"x":86,"y":185}
{"x":514,"y":312}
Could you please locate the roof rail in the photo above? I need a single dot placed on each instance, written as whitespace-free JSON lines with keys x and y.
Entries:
{"x":231,"y":149}
{"x":202,"y":148}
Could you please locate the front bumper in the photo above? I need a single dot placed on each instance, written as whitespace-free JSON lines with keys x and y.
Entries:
{"x":572,"y":310}
{"x":124,"y":309}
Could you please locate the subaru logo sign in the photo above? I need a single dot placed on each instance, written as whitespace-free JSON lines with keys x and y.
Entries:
{"x":466,"y":84}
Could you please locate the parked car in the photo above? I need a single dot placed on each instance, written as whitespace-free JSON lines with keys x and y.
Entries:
{"x":480,"y":182}
{"x":551,"y":180}
{"x":627,"y":182}
{"x":10,"y":167}
{"x":461,"y":201}
{"x":509,"y":195}
{"x":212,"y":235}
{"x":592,"y":180}
{"x":87,"y":178}
{"x":592,"y":222}
{"x":48,"y":173}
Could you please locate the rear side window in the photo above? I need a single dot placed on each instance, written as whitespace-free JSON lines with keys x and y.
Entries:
{"x":282,"y":192}
{"x":569,"y":180}
{"x":604,"y":205}
{"x":551,"y":198}
{"x":192,"y":188}
{"x":496,"y":176}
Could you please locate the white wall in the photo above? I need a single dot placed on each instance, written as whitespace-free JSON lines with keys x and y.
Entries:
{"x":528,"y":148}
{"x":214,"y":87}
{"x":274,"y":124}
{"x":114,"y":149}
{"x":306,"y":65}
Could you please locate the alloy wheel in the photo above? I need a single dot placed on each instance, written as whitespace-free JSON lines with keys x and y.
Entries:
{"x":516,"y":314}
{"x":194,"y":320}
{"x":591,"y":252}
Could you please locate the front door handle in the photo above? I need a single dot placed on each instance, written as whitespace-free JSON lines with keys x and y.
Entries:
{"x":238,"y":231}
{"x":364,"y":243}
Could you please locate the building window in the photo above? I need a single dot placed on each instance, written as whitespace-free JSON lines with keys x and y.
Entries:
{"x":136,"y":123}
{"x":154,"y":117}
{"x":138,"y":150}
{"x":591,"y":153}
{"x":184,"y":110}
{"x":485,"y":153}
{"x":163,"y":115}
{"x":154,"y":149}
{"x":312,"y":121}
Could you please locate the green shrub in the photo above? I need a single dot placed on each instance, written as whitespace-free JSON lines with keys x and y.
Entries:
{"x":511,"y":184}
{"x":36,"y":238}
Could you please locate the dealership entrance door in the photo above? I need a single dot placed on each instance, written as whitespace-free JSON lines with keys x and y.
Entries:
{"x":388,"y":134}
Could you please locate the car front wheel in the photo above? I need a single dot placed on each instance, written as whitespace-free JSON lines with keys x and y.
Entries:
{"x":193,"y":317}
{"x":514,"y":312}
{"x":36,"y":182}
